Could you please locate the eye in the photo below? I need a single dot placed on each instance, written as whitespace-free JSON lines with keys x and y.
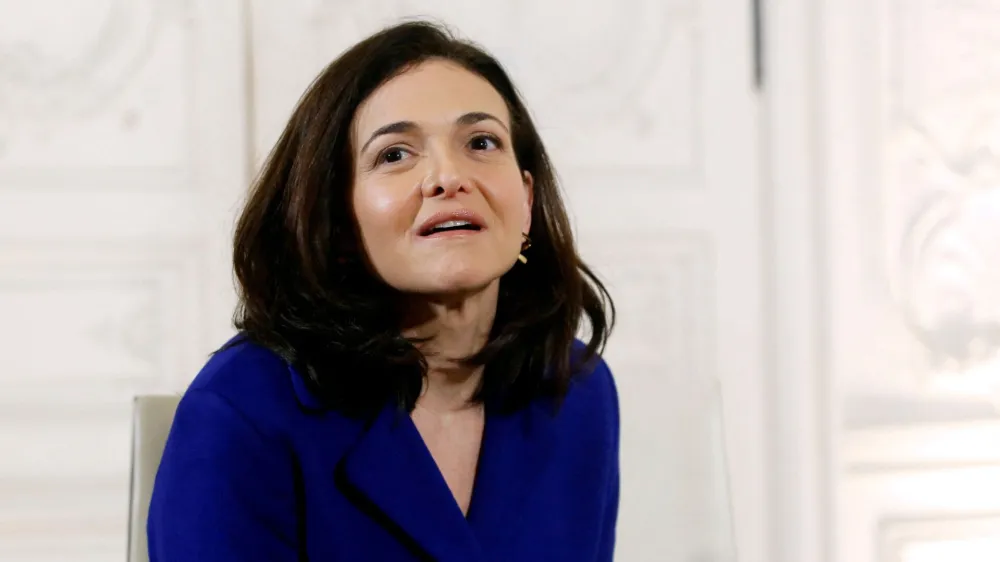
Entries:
{"x":392,"y":155}
{"x":485,"y":142}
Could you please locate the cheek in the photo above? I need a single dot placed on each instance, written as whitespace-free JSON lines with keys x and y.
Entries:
{"x":381,"y":210}
{"x":509,"y":197}
{"x":517,"y":213}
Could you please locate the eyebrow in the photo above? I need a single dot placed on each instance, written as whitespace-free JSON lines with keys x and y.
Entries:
{"x":465,"y":120}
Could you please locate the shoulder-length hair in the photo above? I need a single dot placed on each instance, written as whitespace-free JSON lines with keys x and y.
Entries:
{"x":307,"y":292}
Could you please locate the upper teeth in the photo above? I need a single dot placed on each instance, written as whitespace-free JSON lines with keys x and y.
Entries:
{"x":450,"y":224}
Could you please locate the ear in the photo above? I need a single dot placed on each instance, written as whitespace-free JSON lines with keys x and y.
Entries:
{"x":529,"y":200}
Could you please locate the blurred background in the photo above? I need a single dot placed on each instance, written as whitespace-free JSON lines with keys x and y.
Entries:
{"x":796,"y":204}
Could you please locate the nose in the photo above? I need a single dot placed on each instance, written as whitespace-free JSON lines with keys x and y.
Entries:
{"x":445,"y":178}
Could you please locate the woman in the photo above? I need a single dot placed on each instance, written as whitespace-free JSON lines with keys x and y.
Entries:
{"x":405,"y":384}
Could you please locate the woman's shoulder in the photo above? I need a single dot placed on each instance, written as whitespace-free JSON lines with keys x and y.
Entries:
{"x":587,"y":421}
{"x":593,"y":393}
{"x":250,"y":378}
{"x":236,"y":364}
{"x":592,"y":376}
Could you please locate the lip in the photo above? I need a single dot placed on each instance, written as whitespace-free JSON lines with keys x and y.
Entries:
{"x":456,"y":215}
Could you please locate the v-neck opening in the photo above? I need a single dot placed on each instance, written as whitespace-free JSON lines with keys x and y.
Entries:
{"x":468,"y":515}
{"x":393,"y":467}
{"x":477,"y":477}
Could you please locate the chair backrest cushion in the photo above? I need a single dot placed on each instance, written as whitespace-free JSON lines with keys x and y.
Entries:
{"x":151,"y":421}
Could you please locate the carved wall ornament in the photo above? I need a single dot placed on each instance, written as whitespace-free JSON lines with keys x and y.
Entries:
{"x":46,"y":78}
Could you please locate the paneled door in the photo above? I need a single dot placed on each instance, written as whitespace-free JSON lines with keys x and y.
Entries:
{"x":649,"y":110}
{"x":122,"y":152}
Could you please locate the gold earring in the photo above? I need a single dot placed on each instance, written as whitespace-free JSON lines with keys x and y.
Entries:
{"x":525,"y":244}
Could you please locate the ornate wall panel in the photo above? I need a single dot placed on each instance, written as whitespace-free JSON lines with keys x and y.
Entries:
{"x":932,"y":201}
{"x":915,"y":217}
{"x":122,"y":152}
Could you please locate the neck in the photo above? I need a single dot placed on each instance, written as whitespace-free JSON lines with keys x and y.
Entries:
{"x":451,"y":329}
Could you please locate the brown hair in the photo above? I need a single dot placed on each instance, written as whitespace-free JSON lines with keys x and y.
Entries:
{"x":307,"y":293}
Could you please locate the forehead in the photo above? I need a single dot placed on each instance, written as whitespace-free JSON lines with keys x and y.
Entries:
{"x":433,"y":92}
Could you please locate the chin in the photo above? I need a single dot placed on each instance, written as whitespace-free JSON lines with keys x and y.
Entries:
{"x":459,"y":284}
{"x":453,"y":274}
{"x":461,"y":279}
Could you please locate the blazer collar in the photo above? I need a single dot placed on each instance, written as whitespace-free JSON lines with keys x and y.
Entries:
{"x":516,"y":451}
{"x":393,"y":472}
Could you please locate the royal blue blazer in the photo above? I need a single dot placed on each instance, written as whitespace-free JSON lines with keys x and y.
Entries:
{"x":255,"y":469}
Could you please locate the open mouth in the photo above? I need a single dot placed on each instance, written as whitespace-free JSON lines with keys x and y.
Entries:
{"x":450,"y":226}
{"x":457,"y":222}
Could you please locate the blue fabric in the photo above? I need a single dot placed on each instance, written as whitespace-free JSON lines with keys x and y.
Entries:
{"x":254,"y":470}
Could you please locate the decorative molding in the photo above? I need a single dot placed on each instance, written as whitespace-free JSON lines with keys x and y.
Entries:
{"x":75,"y":71}
{"x":141,"y":179}
{"x":95,"y":447}
{"x":672,"y":435}
{"x":64,"y":518}
{"x":114,"y":311}
{"x":941,"y":539}
{"x":615,"y":90}
{"x":122,"y":152}
{"x":672,"y":275}
{"x":946,"y":278}
{"x":799,"y":401}
{"x":943,"y":189}
{"x":126,"y":74}
{"x":925,"y":447}
{"x":868,"y":411}
{"x":883,"y":508}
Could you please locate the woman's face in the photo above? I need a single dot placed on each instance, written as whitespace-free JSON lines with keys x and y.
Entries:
{"x":438,"y":195}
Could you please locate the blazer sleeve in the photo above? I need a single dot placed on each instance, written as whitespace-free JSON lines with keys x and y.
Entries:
{"x":224,"y":491}
{"x":606,"y":548}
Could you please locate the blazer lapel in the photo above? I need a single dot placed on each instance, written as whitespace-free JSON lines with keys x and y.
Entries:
{"x":515,"y":452}
{"x":394,"y":474}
